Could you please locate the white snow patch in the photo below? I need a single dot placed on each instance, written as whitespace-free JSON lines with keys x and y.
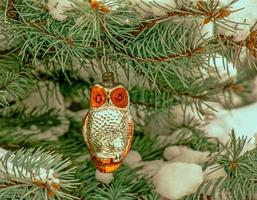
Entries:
{"x":57,"y":8}
{"x":104,"y":177}
{"x":247,"y":15}
{"x":150,"y":167}
{"x":133,"y":158}
{"x":224,"y":68}
{"x":147,"y":8}
{"x":44,"y":175}
{"x":175,"y":180}
{"x":185,"y":154}
{"x":242,"y":120}
{"x":214,"y":172}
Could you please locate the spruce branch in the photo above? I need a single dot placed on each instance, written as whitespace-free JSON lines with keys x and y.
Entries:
{"x":151,"y":98}
{"x":149,"y":147}
{"x":236,"y":163}
{"x":71,"y":144}
{"x":99,"y":6}
{"x":13,"y":86}
{"x":11,"y":11}
{"x":20,"y":126}
{"x":44,"y":38}
{"x":187,"y":53}
{"x":72,"y":87}
{"x":102,"y":29}
{"x":127,"y":184}
{"x":240,"y":182}
{"x":189,"y":133}
{"x":250,"y":43}
{"x":35,"y":174}
{"x":210,"y":12}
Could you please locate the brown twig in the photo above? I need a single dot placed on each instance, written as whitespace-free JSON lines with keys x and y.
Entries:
{"x":250,"y":42}
{"x":201,"y":197}
{"x":11,"y":11}
{"x":152,"y":22}
{"x":51,"y":188}
{"x":40,"y":26}
{"x":233,"y":165}
{"x":95,"y":5}
{"x":187,"y":53}
{"x":10,"y":184}
{"x":214,"y":14}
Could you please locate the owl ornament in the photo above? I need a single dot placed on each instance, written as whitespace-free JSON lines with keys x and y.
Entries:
{"x":108,"y":126}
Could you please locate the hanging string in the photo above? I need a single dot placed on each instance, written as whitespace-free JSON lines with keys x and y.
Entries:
{"x":104,"y":61}
{"x":104,"y":64}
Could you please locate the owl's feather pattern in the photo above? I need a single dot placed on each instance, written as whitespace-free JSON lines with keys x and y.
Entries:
{"x":108,"y":132}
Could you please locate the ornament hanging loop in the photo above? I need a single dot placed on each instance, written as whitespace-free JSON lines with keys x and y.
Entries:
{"x":103,"y":61}
{"x":108,"y":76}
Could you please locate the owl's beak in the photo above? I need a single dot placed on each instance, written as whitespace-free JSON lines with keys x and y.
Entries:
{"x":108,"y":101}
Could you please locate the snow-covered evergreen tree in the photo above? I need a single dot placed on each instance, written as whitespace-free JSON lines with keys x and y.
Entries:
{"x":189,"y":67}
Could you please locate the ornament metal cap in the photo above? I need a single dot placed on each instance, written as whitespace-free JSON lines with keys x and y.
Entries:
{"x":108,"y":78}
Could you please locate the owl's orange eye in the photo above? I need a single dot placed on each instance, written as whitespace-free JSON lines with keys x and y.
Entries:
{"x":119,"y":97}
{"x":98,"y":96}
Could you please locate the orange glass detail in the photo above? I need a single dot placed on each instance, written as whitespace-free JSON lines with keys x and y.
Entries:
{"x":106,"y":165}
{"x":119,"y":97}
{"x":97,"y":97}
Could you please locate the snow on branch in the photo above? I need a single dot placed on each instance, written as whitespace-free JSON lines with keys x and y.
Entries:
{"x":35,"y":173}
{"x":200,"y":10}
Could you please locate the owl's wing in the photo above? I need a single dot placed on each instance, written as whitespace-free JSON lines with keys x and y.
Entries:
{"x":130,"y":135}
{"x":85,"y":133}
{"x":84,"y":130}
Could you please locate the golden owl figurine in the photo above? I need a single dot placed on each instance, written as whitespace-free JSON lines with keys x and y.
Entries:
{"x":108,"y":126}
